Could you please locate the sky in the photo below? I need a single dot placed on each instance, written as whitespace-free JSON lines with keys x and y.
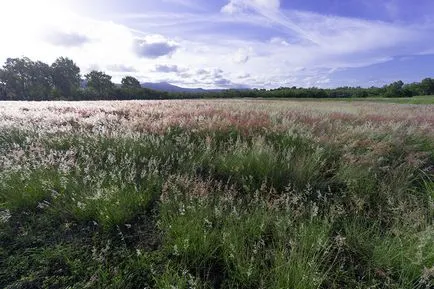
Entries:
{"x":229,"y":43}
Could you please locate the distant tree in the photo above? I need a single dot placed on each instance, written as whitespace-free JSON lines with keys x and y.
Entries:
{"x":100,"y":82}
{"x":66,"y":76}
{"x":15,"y":77}
{"x":130,"y":82}
{"x":3,"y":95}
{"x":24,"y":79}
{"x":41,"y":81}
{"x":414,"y":88}
{"x":427,"y":86}
{"x":396,"y":89}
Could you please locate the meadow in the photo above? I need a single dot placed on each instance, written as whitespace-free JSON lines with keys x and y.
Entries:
{"x":216,"y":194}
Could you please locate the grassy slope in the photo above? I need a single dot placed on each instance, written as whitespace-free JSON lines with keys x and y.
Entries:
{"x":215,"y":208}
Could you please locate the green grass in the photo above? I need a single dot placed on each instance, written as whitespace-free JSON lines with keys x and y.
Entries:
{"x":421,"y":99}
{"x":425,"y":99}
{"x":213,"y":209}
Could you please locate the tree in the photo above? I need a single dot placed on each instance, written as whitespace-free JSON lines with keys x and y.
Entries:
{"x":427,"y":86}
{"x":41,"y":81}
{"x":413,"y":88}
{"x":396,"y":89}
{"x":14,"y":77}
{"x":100,"y":82}
{"x":66,"y":76}
{"x":129,"y":82}
{"x":24,"y":79}
{"x":3,"y":95}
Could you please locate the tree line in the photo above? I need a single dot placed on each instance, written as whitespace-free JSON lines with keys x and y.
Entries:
{"x":24,"y":79}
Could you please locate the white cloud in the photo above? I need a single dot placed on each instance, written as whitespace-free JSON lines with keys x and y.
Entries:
{"x":192,"y":4}
{"x":165,"y":68}
{"x":301,"y":48}
{"x":121,"y":68}
{"x":242,"y":55}
{"x":61,"y":38}
{"x":235,"y":6}
{"x":154,"y":46}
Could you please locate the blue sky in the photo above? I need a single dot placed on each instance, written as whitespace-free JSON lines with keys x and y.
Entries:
{"x":230,"y":43}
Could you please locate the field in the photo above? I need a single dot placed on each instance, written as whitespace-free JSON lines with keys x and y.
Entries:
{"x":216,"y":194}
{"x":421,"y":99}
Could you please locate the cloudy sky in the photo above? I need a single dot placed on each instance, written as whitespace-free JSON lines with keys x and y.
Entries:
{"x":229,"y":43}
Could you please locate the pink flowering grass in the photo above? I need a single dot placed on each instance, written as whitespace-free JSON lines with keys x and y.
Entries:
{"x":216,"y":194}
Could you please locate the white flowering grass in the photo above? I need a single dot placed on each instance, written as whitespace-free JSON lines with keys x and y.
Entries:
{"x":216,"y":194}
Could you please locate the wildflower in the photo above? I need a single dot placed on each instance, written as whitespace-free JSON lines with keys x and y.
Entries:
{"x":192,"y":282}
{"x":186,"y":243}
{"x":182,"y":210}
{"x":5,"y":215}
{"x":249,"y":270}
{"x":217,"y":211}
{"x":43,"y":205}
{"x":208,"y":224}
{"x":340,"y":240}
{"x":54,"y":194}
{"x":427,"y":275}
{"x":175,"y":250}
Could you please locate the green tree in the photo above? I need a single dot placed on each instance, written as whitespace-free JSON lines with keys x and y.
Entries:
{"x":396,"y":89}
{"x":415,"y":88}
{"x":129,"y":82}
{"x":15,"y":78}
{"x":24,"y":79}
{"x":41,"y":82}
{"x":66,"y":76}
{"x":3,"y":95}
{"x":427,"y":86}
{"x":100,"y":82}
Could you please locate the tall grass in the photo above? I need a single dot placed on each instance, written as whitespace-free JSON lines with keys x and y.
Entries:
{"x":216,"y":195}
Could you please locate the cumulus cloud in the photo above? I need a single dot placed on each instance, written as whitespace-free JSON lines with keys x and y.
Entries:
{"x":223,"y":82}
{"x":167,"y":68}
{"x":66,"y":39}
{"x":214,"y":78}
{"x":244,"y":76}
{"x":210,"y":73}
{"x":121,"y":68}
{"x":154,"y":47}
{"x":231,"y":8}
{"x":202,"y":72}
{"x":242,"y":56}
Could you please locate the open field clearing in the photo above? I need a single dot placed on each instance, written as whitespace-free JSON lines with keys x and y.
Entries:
{"x":423,"y":99}
{"x":216,"y":194}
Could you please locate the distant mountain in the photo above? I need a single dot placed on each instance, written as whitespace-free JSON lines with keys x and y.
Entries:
{"x":164,"y":86}
{"x":167,"y":87}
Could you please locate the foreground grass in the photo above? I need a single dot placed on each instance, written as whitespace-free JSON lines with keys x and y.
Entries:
{"x":291,"y":203}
